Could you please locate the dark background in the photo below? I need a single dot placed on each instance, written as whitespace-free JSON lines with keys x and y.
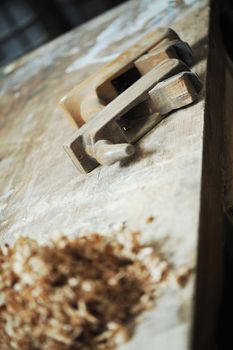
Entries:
{"x":27,"y":24}
{"x":224,"y":330}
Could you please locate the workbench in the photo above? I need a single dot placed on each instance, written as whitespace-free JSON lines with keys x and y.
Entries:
{"x":170,"y":191}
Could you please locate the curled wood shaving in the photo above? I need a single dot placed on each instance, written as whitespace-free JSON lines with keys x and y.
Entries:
{"x":83,"y":293}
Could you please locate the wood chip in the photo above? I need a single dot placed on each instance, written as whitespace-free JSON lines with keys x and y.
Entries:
{"x":82,"y":293}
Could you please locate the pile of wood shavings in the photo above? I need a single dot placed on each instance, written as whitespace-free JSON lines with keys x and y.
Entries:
{"x":83,"y":293}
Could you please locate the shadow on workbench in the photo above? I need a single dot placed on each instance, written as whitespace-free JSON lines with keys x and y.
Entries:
{"x":200,"y":50}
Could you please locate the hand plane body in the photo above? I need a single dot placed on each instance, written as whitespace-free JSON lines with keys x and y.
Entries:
{"x":126,"y":98}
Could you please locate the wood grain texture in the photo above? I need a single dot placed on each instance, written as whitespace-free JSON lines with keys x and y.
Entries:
{"x":41,"y":192}
{"x":175,"y":92}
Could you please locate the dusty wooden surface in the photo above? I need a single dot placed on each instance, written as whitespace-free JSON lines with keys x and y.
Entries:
{"x":42,"y":192}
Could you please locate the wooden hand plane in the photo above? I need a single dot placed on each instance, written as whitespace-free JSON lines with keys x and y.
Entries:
{"x":126,"y":98}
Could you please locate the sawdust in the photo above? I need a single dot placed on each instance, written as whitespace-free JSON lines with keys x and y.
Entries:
{"x":84,"y":293}
{"x":150,"y":219}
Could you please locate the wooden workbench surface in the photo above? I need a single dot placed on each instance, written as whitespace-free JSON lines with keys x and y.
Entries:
{"x":41,"y":190}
